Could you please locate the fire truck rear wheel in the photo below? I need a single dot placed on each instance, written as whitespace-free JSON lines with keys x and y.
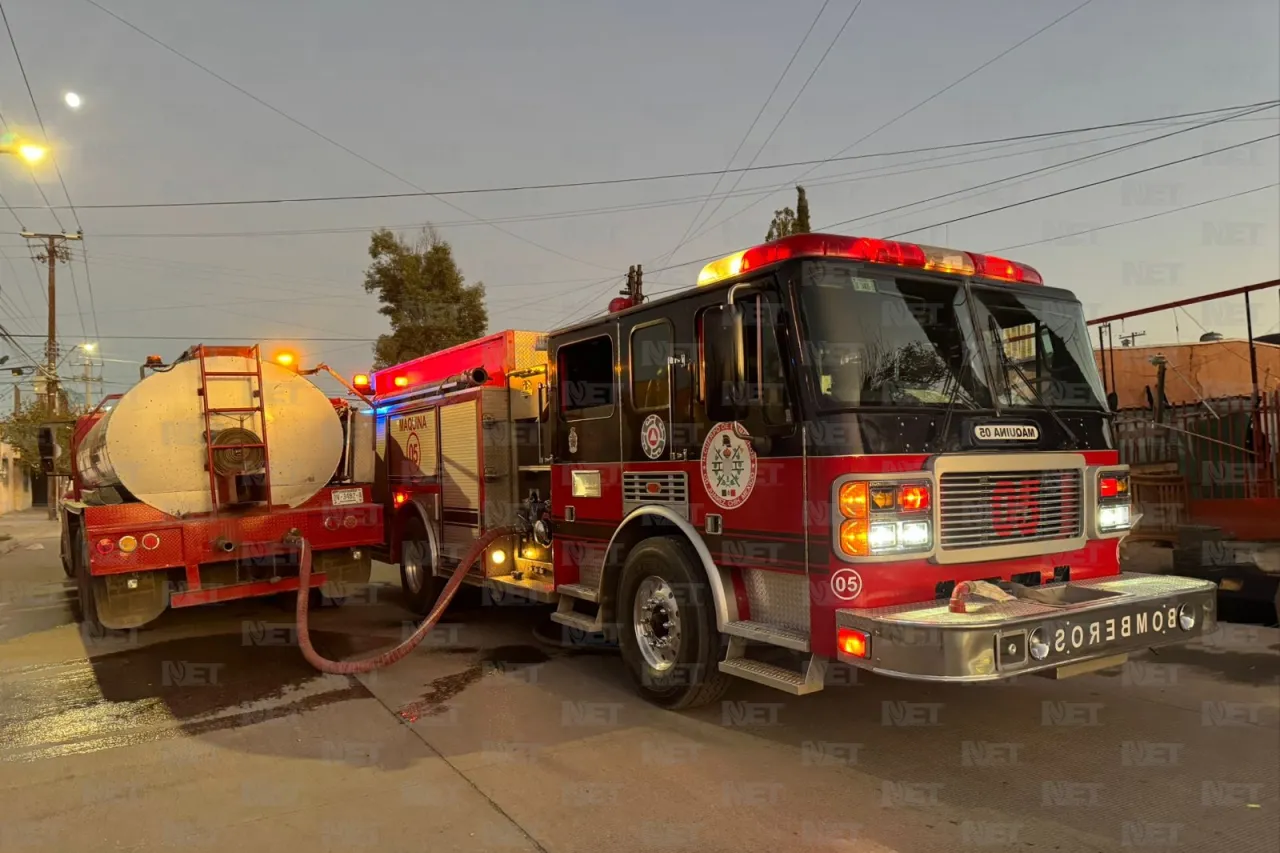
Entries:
{"x":667,"y":626}
{"x":421,"y":586}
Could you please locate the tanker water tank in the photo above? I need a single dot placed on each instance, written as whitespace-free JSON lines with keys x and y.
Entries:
{"x":152,"y":441}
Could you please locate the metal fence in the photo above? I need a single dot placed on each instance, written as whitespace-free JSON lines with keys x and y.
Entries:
{"x":1218,"y":449}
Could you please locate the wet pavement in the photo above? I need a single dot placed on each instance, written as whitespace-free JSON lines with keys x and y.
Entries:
{"x":209,"y":731}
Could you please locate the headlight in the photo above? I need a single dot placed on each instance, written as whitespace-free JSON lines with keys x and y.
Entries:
{"x":1113,"y":517}
{"x":883,"y":519}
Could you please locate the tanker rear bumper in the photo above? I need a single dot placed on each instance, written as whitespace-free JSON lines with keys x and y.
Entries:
{"x":212,"y":595}
{"x":1109,"y":618}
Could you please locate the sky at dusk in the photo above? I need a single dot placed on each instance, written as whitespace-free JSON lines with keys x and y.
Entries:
{"x":491,"y":93}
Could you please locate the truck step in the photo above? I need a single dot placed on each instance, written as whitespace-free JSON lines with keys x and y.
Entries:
{"x":567,"y":614}
{"x":775,"y":635}
{"x":581,"y":621}
{"x":531,"y":588}
{"x":780,"y":678}
{"x":578,"y":591}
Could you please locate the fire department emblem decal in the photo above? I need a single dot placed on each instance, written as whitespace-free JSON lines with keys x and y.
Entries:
{"x":573,"y":440}
{"x":653,"y":436}
{"x":728,"y":466}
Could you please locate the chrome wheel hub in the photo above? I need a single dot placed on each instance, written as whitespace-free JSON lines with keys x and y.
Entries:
{"x":656,"y":620}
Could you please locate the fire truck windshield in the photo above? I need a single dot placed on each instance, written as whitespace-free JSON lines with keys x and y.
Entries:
{"x":876,"y":340}
{"x":1046,"y":349}
{"x":873,"y":339}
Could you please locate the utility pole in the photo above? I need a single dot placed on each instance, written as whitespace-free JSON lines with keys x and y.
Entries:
{"x":54,"y":250}
{"x":1127,"y":340}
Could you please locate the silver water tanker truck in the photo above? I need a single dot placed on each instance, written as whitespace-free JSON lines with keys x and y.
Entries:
{"x":195,"y":485}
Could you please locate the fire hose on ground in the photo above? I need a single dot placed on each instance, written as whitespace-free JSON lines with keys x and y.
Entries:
{"x":390,"y":656}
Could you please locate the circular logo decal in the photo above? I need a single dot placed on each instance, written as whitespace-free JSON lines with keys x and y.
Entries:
{"x":728,"y":466}
{"x":846,"y":584}
{"x":414,"y":450}
{"x":653,"y":436}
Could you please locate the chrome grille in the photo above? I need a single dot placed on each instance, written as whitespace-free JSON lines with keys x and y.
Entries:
{"x":978,"y":510}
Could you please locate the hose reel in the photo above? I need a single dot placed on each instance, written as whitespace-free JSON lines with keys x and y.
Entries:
{"x":231,"y":460}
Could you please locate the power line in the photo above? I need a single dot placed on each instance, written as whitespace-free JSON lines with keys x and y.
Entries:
{"x":910,"y":109}
{"x":1026,"y":137}
{"x":747,"y":135}
{"x":331,"y":140}
{"x":1043,"y":169}
{"x":1136,"y":219}
{"x":75,"y":289}
{"x":1076,"y":188}
{"x":1089,"y":185}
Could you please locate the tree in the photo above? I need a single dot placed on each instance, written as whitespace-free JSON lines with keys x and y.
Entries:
{"x":19,"y":429}
{"x":423,"y":294}
{"x":787,"y":221}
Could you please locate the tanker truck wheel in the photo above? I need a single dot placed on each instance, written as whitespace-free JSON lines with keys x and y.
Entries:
{"x":667,"y":626}
{"x":86,"y":602}
{"x":421,"y":586}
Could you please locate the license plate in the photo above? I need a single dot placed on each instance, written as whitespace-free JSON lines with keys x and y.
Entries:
{"x":1126,"y":629}
{"x":346,"y":497}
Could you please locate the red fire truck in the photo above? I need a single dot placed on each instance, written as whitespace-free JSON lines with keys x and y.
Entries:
{"x":833,"y":449}
{"x":179,"y":496}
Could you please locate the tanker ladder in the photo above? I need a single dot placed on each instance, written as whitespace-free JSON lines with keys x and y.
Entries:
{"x":228,"y":449}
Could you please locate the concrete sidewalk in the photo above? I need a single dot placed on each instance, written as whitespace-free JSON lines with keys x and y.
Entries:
{"x":25,"y":527}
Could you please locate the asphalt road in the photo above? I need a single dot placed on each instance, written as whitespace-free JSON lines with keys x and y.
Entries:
{"x":209,"y":731}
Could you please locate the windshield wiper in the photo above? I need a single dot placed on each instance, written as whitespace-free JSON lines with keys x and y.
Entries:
{"x":1006,"y":363}
{"x":941,"y":435}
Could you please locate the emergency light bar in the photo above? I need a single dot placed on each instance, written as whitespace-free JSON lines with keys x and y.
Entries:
{"x":869,"y":250}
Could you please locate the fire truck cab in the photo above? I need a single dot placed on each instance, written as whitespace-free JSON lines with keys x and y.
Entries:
{"x":832,"y":451}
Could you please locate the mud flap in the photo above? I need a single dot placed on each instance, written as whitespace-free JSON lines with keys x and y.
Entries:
{"x":130,"y":600}
{"x":346,"y":571}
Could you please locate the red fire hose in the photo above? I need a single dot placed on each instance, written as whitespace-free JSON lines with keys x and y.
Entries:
{"x":352,"y":667}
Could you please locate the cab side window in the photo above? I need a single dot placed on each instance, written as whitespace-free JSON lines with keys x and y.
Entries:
{"x":765,"y":389}
{"x":586,"y":379}
{"x":651,"y":346}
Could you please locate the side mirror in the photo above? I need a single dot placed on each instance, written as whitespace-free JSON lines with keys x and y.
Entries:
{"x":725,"y":370}
{"x":47,"y":443}
{"x":1113,"y":401}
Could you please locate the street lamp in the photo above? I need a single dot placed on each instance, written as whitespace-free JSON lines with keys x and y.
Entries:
{"x":29,"y":151}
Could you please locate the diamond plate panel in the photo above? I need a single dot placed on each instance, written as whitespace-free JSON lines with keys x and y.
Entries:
{"x":526,"y":354}
{"x":778,"y":598}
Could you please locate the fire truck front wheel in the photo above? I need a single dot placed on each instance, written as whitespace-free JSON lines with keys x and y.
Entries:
{"x":668,"y":626}
{"x":420,"y":584}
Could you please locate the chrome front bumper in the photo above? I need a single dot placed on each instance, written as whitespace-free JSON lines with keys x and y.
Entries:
{"x":928,"y":642}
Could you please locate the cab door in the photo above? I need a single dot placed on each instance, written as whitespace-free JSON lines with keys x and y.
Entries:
{"x":751,"y":460}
